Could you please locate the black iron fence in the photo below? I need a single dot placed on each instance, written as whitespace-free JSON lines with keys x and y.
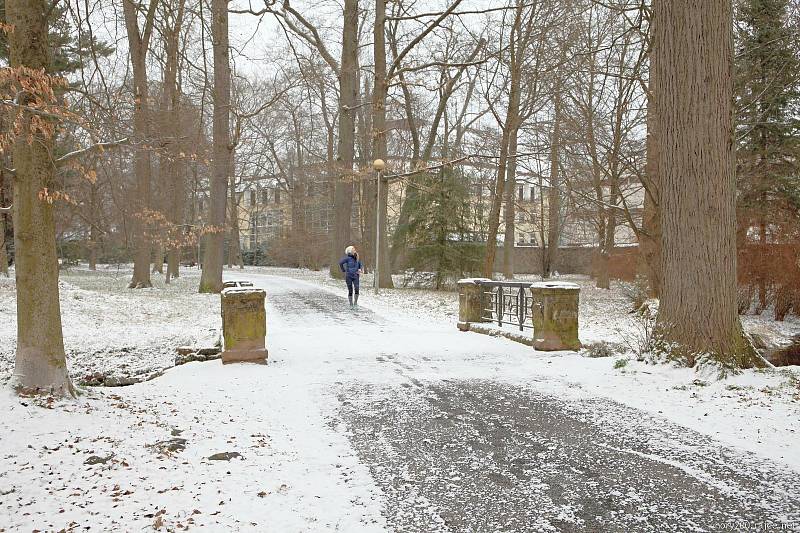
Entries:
{"x":507,"y":302}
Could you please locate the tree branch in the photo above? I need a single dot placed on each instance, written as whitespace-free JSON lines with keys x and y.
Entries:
{"x":98,"y":147}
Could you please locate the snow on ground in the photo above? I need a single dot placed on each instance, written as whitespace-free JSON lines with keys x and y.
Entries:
{"x":757,"y":411}
{"x":115,"y":331}
{"x":110,"y":459}
{"x":142,"y":457}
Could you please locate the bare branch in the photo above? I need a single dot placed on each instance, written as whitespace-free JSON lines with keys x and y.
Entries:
{"x":98,"y":147}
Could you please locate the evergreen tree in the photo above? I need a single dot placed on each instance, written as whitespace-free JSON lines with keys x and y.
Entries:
{"x":439,"y":230}
{"x":68,"y":48}
{"x":768,"y":108}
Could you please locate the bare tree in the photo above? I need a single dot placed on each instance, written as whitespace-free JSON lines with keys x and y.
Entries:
{"x":211,"y":278}
{"x":172,"y":165}
{"x":139,"y":43}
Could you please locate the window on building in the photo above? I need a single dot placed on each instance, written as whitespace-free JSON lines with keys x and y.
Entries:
{"x":252,"y":198}
{"x":264,"y":196}
{"x":521,"y":193}
{"x":277,"y":196}
{"x":533,"y":193}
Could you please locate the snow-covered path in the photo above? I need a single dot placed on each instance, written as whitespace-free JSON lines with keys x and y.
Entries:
{"x":371,"y":421}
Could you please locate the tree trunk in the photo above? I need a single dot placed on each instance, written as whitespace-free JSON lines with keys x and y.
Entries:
{"x":40,"y":364}
{"x":94,"y":221}
{"x":214,"y":257}
{"x":366,"y":194}
{"x":691,"y":73}
{"x":3,"y":252}
{"x":172,"y":166}
{"x":650,"y":242}
{"x":511,"y":122}
{"x":158,"y":258}
{"x":510,"y":211}
{"x":379,"y":94}
{"x":234,"y":245}
{"x":348,"y":92}
{"x":607,"y":244}
{"x":297,"y":192}
{"x":93,"y":247}
{"x":138,"y":45}
{"x":553,"y":194}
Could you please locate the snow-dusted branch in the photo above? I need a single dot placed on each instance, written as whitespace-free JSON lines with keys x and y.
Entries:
{"x":97,"y":147}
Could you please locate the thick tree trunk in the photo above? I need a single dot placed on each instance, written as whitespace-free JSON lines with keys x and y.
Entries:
{"x":40,"y":364}
{"x":138,"y":45}
{"x":348,"y":97}
{"x":379,"y":94}
{"x":214,"y":257}
{"x":691,"y":75}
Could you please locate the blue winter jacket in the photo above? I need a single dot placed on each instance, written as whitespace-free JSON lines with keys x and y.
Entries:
{"x":350,"y":265}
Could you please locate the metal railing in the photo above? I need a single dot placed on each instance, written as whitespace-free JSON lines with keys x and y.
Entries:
{"x":507,"y":302}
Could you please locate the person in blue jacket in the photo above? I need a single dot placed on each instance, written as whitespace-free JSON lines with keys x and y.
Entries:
{"x":352,"y":269}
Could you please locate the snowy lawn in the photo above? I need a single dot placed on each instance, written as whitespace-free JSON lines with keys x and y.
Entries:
{"x":147,"y":455}
{"x":119,"y":333}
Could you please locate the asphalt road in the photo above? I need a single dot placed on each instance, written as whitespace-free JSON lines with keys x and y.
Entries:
{"x":481,"y":455}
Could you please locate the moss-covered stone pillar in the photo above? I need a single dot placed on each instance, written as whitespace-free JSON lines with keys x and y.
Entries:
{"x":555,"y":316}
{"x":244,"y":325}
{"x":470,"y":302}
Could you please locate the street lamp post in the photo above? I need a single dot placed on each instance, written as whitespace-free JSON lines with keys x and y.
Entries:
{"x":378,"y":165}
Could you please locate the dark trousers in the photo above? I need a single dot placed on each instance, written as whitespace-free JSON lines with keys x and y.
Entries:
{"x":352,"y":283}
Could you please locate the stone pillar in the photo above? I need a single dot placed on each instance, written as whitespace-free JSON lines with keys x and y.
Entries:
{"x":555,"y":316}
{"x":470,"y":302}
{"x":244,"y":325}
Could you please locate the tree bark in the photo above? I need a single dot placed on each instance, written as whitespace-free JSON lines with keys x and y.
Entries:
{"x":345,"y":154}
{"x":3,"y":252}
{"x":214,"y":257}
{"x":550,"y":252}
{"x":380,"y":93}
{"x":510,"y":211}
{"x":139,"y":44}
{"x":234,"y":244}
{"x":511,"y":122}
{"x":692,"y":79}
{"x":40,"y":364}
{"x":650,"y":242}
{"x":172,"y":166}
